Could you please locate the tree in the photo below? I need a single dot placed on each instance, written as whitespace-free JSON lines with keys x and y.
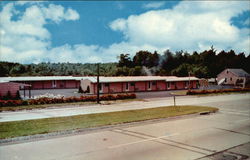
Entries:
{"x":146,"y":58}
{"x":168,"y":62}
{"x":124,"y":60}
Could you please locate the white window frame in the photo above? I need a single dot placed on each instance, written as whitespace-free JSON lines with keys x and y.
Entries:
{"x":53,"y":83}
{"x":168,"y":85}
{"x":186,"y":84}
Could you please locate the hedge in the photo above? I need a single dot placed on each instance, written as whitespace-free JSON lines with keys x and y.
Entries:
{"x":194,"y":92}
{"x":46,"y":100}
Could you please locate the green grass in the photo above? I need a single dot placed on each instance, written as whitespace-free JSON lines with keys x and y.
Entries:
{"x":31,"y":127}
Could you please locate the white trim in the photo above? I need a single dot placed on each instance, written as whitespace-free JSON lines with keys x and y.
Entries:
{"x":53,"y":83}
{"x":169,"y":85}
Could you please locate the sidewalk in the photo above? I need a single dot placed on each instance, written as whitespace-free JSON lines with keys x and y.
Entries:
{"x":101,"y":108}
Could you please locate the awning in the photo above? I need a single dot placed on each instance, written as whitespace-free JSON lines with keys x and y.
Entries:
{"x":221,"y":81}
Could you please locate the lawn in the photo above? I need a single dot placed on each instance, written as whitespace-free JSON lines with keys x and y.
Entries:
{"x":31,"y":127}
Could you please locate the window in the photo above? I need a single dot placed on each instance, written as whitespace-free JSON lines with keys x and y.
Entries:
{"x":100,"y":87}
{"x":186,"y":84}
{"x":168,"y":84}
{"x":127,"y":86}
{"x":153,"y":83}
{"x":53,"y":83}
{"x":231,"y":78}
{"x":132,"y":84}
{"x":225,"y":79}
{"x":149,"y":85}
{"x":227,"y":71}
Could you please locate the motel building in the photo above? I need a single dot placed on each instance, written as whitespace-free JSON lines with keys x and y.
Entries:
{"x":138,"y":84}
{"x":107,"y":84}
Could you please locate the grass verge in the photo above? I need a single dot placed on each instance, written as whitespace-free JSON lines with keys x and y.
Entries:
{"x":39,"y":126}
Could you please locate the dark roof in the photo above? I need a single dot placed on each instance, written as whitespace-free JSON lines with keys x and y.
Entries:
{"x":239,"y":72}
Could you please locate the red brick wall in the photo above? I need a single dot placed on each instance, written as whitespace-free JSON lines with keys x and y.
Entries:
{"x":182,"y":85}
{"x":116,"y":87}
{"x":161,"y":85}
{"x":72,"y":84}
{"x":37,"y":85}
{"x":47,"y":84}
{"x":140,"y":86}
{"x":8,"y":86}
{"x":60,"y":84}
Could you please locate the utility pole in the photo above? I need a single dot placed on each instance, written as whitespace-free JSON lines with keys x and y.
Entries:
{"x":98,"y":84}
{"x":188,"y":81}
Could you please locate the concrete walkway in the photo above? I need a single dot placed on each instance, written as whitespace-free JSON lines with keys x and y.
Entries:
{"x":100,"y":108}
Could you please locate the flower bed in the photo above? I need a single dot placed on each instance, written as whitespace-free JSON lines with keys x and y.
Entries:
{"x":47,"y":100}
{"x":194,"y":92}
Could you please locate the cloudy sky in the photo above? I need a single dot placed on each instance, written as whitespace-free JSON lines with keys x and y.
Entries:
{"x":89,"y":32}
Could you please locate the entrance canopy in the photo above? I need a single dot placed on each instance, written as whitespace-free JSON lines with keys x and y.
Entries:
{"x":221,"y":81}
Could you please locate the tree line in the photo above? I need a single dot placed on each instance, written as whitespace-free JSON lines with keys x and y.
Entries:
{"x":205,"y":64}
{"x":55,"y":69}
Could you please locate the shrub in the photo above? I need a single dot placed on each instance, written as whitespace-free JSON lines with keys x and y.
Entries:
{"x":80,"y":89}
{"x":194,"y":92}
{"x":46,"y":100}
{"x":7,"y":96}
{"x":17,"y":95}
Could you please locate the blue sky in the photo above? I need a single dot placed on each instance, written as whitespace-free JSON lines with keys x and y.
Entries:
{"x":95,"y":29}
{"x":98,"y":31}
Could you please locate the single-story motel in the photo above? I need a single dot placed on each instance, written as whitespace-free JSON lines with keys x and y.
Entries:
{"x":107,"y":84}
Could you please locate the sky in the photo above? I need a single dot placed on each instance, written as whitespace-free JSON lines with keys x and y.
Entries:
{"x":99,"y":31}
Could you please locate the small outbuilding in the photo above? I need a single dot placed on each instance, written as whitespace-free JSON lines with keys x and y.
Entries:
{"x":11,"y":88}
{"x":234,"y":77}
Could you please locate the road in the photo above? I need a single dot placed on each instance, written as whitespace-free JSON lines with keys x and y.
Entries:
{"x":195,"y":137}
{"x":100,"y":108}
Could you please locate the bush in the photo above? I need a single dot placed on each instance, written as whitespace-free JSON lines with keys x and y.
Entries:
{"x":46,"y":100}
{"x":80,"y":89}
{"x":17,"y":95}
{"x":8,"y":96}
{"x":194,"y":92}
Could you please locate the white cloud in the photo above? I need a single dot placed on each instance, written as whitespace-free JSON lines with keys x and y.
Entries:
{"x":153,"y":5}
{"x":188,"y":26}
{"x":27,"y":39}
{"x":71,"y":15}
